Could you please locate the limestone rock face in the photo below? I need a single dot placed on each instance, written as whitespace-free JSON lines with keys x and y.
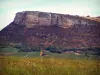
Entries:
{"x":34,"y":18}
{"x":54,"y":19}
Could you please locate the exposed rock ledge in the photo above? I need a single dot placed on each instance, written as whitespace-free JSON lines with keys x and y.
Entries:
{"x":36,"y":18}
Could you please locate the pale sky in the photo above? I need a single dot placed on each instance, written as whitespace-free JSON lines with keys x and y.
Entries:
{"x":8,"y":8}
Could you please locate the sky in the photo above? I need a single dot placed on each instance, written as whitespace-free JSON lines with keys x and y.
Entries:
{"x":8,"y":8}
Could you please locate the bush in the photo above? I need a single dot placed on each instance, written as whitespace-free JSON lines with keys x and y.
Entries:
{"x":22,"y":47}
{"x":35,"y":48}
{"x":51,"y":48}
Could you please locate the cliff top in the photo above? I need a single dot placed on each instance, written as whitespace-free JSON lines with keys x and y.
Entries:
{"x":37,"y":18}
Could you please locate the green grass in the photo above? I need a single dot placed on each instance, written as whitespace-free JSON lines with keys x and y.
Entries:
{"x":71,"y":56}
{"x":8,"y":50}
{"x":11,"y":51}
{"x":47,"y":66}
{"x":25,"y":54}
{"x":53,"y":55}
{"x":18,"y":54}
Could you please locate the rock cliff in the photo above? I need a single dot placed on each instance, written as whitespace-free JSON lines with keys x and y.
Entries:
{"x":42,"y":29}
{"x":34,"y":18}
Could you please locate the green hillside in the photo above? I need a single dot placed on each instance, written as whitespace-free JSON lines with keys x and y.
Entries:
{"x":8,"y":50}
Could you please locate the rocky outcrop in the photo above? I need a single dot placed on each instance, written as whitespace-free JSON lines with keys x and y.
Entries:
{"x":34,"y":18}
{"x":42,"y":29}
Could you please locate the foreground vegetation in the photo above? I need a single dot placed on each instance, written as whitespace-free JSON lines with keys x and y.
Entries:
{"x":47,"y":66}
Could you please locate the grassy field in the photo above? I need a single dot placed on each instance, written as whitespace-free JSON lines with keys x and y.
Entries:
{"x":53,"y":55}
{"x":47,"y":66}
{"x":8,"y":50}
{"x":11,"y":51}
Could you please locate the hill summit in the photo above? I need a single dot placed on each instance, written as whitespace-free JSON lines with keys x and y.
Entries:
{"x":35,"y":18}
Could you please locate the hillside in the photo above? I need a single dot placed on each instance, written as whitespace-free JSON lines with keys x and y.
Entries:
{"x":33,"y":30}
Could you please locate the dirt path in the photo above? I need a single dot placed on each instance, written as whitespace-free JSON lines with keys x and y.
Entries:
{"x":26,"y":54}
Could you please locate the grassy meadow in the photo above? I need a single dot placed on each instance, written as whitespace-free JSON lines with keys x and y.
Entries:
{"x":15,"y":62}
{"x":47,"y":66}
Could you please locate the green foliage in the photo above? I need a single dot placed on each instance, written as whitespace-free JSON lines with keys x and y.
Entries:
{"x":25,"y":48}
{"x":53,"y":49}
{"x":2,"y":46}
{"x":50,"y":48}
{"x":22,"y":47}
{"x":35,"y":48}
